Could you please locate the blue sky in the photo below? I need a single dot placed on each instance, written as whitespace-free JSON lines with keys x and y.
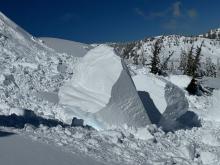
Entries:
{"x":91,"y":21}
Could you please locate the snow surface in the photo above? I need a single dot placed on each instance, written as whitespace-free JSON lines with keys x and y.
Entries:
{"x":31,"y":77}
{"x":102,"y":92}
{"x":21,"y":150}
{"x":214,"y":110}
{"x":181,"y":81}
{"x":64,"y":46}
{"x":154,"y":87}
{"x":165,"y":102}
{"x":90,"y":89}
{"x":211,"y":82}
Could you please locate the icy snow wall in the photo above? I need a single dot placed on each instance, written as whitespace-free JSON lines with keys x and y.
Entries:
{"x":102,"y":93}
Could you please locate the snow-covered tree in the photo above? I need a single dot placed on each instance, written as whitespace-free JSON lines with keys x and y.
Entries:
{"x":183,"y":61}
{"x":155,"y":59}
{"x":210,"y":68}
{"x":190,"y":63}
{"x":218,"y":68}
{"x":165,"y":63}
{"x":196,"y":63}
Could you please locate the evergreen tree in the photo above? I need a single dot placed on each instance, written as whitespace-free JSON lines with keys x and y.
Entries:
{"x":210,"y":68}
{"x":196,"y":65}
{"x":165,"y":63}
{"x":155,"y":60}
{"x":190,"y":63}
{"x":183,"y":61}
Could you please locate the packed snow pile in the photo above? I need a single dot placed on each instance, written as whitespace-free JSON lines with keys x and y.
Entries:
{"x":31,"y":73}
{"x":102,"y":92}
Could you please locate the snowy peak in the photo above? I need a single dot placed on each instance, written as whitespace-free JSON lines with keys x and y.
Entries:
{"x":212,"y":34}
{"x":140,"y":52}
{"x":31,"y":73}
{"x":7,"y":25}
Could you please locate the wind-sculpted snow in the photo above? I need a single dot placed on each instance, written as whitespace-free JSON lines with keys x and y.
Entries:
{"x":102,"y":92}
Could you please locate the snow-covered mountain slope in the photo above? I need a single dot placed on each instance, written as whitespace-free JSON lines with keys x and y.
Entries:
{"x":9,"y":23}
{"x":102,"y":92}
{"x":140,"y":52}
{"x":212,"y":34}
{"x":30,"y":71}
{"x":65,"y":46}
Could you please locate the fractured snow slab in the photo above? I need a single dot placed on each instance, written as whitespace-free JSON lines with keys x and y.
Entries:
{"x":90,"y":89}
{"x":165,"y":102}
{"x":102,"y":92}
{"x":154,"y":87}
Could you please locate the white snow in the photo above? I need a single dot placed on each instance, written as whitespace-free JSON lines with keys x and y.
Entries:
{"x":209,"y":158}
{"x":90,"y":89}
{"x":214,"y":109}
{"x":181,"y":81}
{"x":211,"y":82}
{"x":16,"y":111}
{"x":64,"y":46}
{"x":155,"y":88}
{"x":102,"y":92}
{"x":169,"y":99}
{"x":33,"y":74}
{"x":21,"y":150}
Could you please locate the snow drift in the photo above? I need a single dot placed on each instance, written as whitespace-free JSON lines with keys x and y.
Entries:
{"x":102,"y":92}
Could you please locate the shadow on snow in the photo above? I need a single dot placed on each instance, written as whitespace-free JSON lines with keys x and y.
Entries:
{"x":187,"y":121}
{"x":31,"y":118}
{"x":3,"y":133}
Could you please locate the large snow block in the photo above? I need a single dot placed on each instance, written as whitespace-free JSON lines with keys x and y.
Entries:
{"x":102,"y":92}
{"x":125,"y":106}
{"x":177,"y":107}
